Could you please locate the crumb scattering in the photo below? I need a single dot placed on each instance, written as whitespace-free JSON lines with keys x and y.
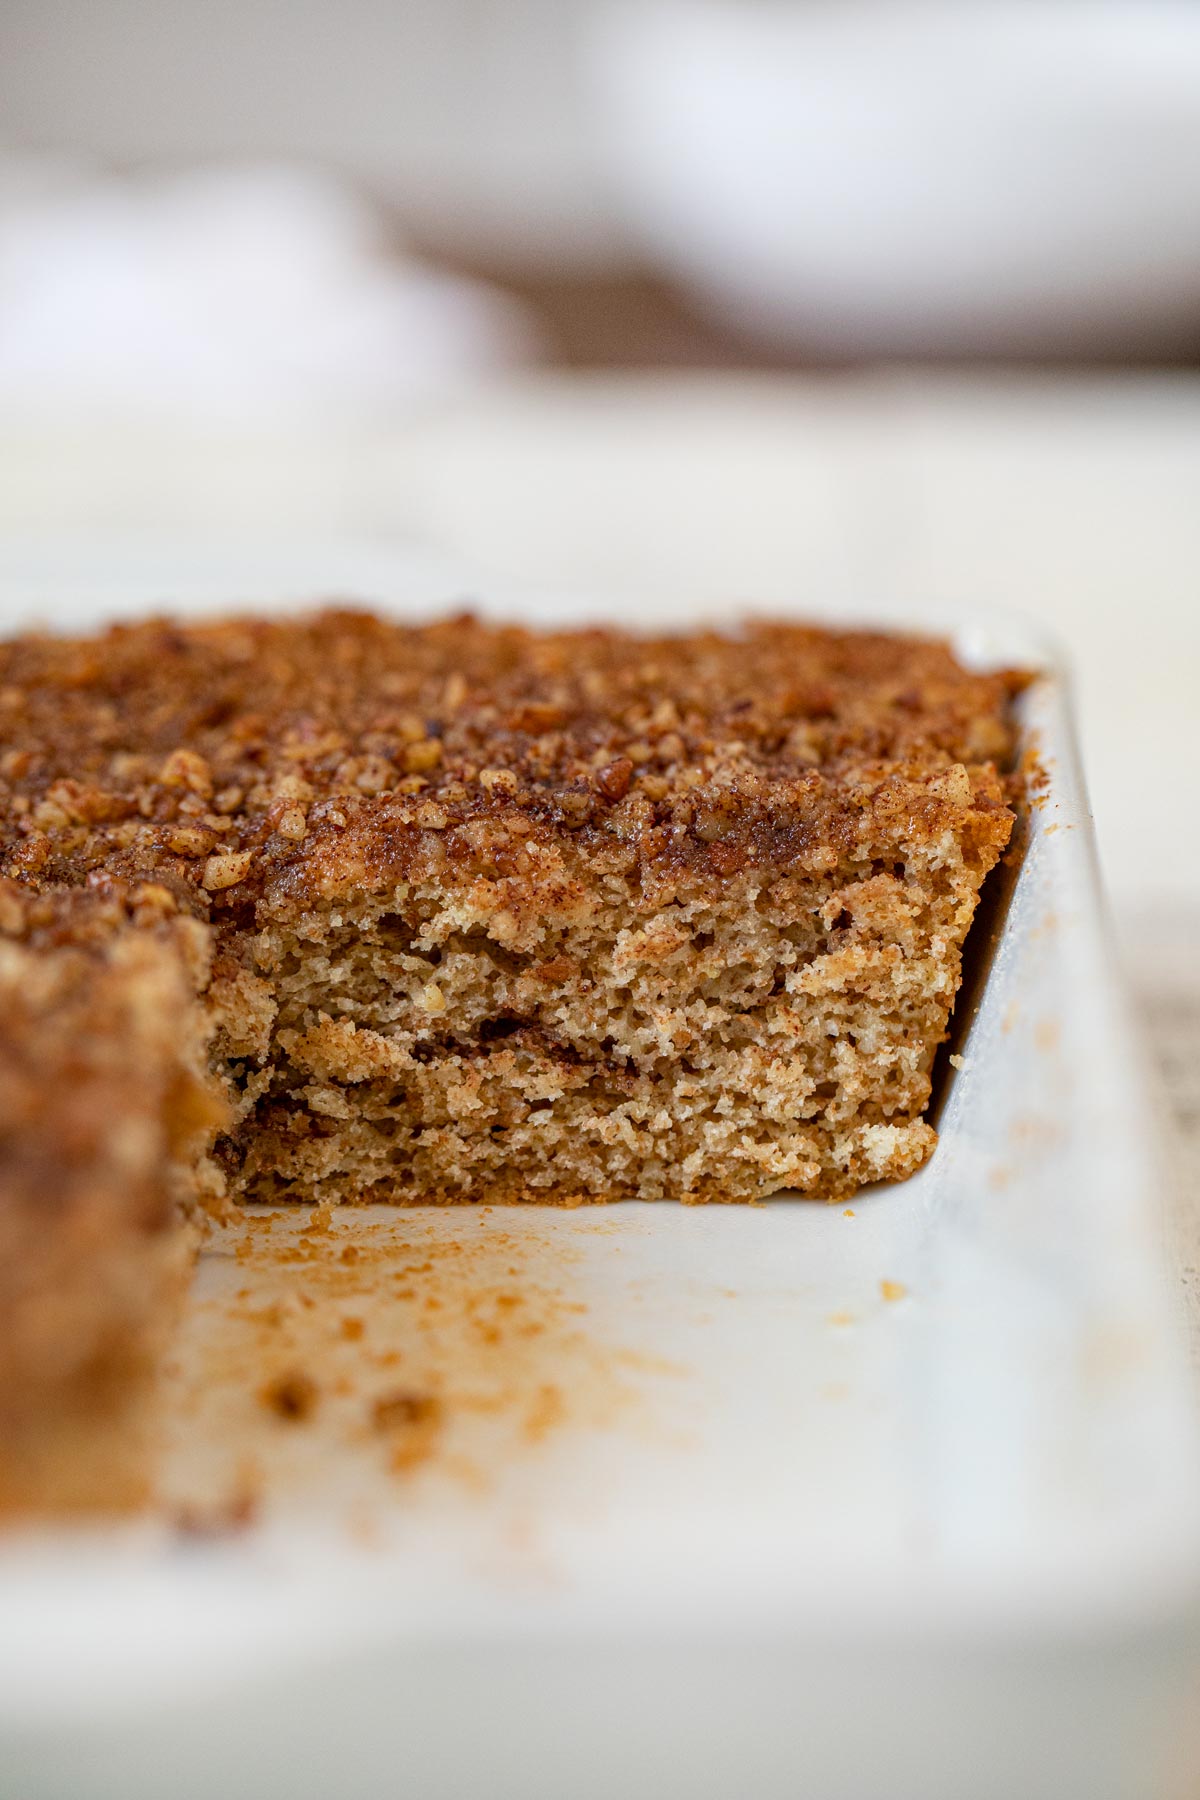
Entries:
{"x":503,"y":1368}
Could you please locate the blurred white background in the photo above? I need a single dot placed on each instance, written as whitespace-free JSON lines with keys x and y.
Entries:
{"x":846,"y":154}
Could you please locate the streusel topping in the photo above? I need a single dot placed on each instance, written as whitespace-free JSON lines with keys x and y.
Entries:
{"x":227,"y":760}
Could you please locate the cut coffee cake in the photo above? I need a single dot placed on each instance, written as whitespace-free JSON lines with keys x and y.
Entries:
{"x":466,"y":912}
{"x":106,"y":1110}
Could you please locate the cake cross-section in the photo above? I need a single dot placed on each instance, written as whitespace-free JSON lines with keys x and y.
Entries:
{"x":494,"y":914}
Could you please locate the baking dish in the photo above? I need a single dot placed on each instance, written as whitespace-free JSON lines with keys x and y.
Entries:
{"x":902,"y":1497}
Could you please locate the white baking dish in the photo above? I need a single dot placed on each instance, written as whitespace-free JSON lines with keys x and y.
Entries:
{"x":833,"y":1545}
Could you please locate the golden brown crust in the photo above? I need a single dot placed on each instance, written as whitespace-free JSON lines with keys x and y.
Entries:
{"x":289,"y":762}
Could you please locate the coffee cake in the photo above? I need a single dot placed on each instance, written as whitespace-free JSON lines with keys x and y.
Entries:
{"x":106,"y":1110}
{"x":469,"y":912}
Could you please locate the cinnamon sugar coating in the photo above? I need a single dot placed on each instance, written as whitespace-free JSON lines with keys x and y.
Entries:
{"x":292,"y":762}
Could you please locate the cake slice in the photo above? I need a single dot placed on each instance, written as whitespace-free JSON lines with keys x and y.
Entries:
{"x":494,"y":914}
{"x":105,"y":1109}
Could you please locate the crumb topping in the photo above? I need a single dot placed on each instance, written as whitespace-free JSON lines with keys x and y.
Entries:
{"x":227,"y":763}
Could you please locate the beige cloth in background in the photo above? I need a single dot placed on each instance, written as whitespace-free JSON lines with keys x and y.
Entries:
{"x":232,"y":297}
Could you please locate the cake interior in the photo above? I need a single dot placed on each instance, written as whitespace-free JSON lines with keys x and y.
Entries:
{"x":779,"y":1032}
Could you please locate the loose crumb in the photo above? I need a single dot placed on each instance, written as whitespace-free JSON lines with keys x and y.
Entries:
{"x":413,"y":1421}
{"x":293,"y":1395}
{"x":226,"y":1519}
{"x":393,"y":1411}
